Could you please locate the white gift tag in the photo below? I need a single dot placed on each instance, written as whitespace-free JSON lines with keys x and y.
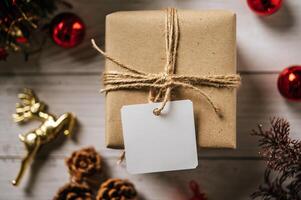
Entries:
{"x":159,"y":143}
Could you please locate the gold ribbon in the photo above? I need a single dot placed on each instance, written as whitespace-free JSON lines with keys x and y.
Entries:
{"x":164,"y":83}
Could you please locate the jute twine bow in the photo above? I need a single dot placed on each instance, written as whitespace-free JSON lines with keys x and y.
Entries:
{"x":164,"y":83}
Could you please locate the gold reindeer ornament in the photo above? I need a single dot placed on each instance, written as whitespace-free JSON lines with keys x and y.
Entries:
{"x":30,"y":108}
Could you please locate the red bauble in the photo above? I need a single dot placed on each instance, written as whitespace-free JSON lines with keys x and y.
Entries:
{"x":67,"y":30}
{"x":289,"y":83}
{"x":265,"y":7}
{"x":3,"y":54}
{"x":197,"y":195}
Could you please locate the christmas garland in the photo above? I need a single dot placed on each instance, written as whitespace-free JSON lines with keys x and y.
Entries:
{"x":19,"y":19}
{"x":25,"y":25}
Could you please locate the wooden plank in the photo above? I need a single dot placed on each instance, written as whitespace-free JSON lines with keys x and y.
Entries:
{"x":264,"y":43}
{"x":258,"y":99}
{"x":221,"y":179}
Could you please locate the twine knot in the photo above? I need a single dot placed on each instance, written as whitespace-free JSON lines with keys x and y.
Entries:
{"x":165,"y":77}
{"x":161,"y":85}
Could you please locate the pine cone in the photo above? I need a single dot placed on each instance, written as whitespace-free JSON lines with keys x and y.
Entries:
{"x":116,"y":189}
{"x":74,"y":191}
{"x":84,"y":163}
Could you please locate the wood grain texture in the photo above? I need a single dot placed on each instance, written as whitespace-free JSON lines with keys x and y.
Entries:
{"x":258,"y":99}
{"x":69,"y":80}
{"x":222,"y":172}
{"x":221,"y":179}
{"x":264,"y":44}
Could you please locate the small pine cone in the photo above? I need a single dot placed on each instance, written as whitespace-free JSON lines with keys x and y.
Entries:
{"x":84,"y":163}
{"x":116,"y":189}
{"x":74,"y":191}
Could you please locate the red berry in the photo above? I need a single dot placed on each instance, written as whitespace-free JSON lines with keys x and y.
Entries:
{"x":197,"y":195}
{"x":22,"y":40}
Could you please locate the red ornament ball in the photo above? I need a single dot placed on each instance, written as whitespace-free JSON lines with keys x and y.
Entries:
{"x":265,"y":7}
{"x":67,"y":30}
{"x":289,"y":83}
{"x":3,"y":53}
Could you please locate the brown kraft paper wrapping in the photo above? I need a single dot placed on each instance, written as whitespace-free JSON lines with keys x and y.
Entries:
{"x":207,"y":46}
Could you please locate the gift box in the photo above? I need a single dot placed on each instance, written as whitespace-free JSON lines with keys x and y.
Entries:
{"x":207,"y":46}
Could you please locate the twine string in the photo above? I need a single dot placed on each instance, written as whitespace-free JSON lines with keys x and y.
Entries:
{"x":162,"y":84}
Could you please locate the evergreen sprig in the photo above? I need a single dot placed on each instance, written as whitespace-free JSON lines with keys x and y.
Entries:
{"x":282,"y":179}
{"x":20,"y":19}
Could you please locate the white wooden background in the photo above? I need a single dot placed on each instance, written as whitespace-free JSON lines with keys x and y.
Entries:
{"x":69,"y":80}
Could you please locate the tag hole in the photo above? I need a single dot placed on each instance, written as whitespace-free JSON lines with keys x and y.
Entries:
{"x":156,"y":112}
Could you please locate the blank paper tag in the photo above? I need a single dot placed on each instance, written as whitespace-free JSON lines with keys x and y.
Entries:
{"x":159,"y":143}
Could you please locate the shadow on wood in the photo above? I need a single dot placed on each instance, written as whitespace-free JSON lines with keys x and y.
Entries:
{"x":281,"y":21}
